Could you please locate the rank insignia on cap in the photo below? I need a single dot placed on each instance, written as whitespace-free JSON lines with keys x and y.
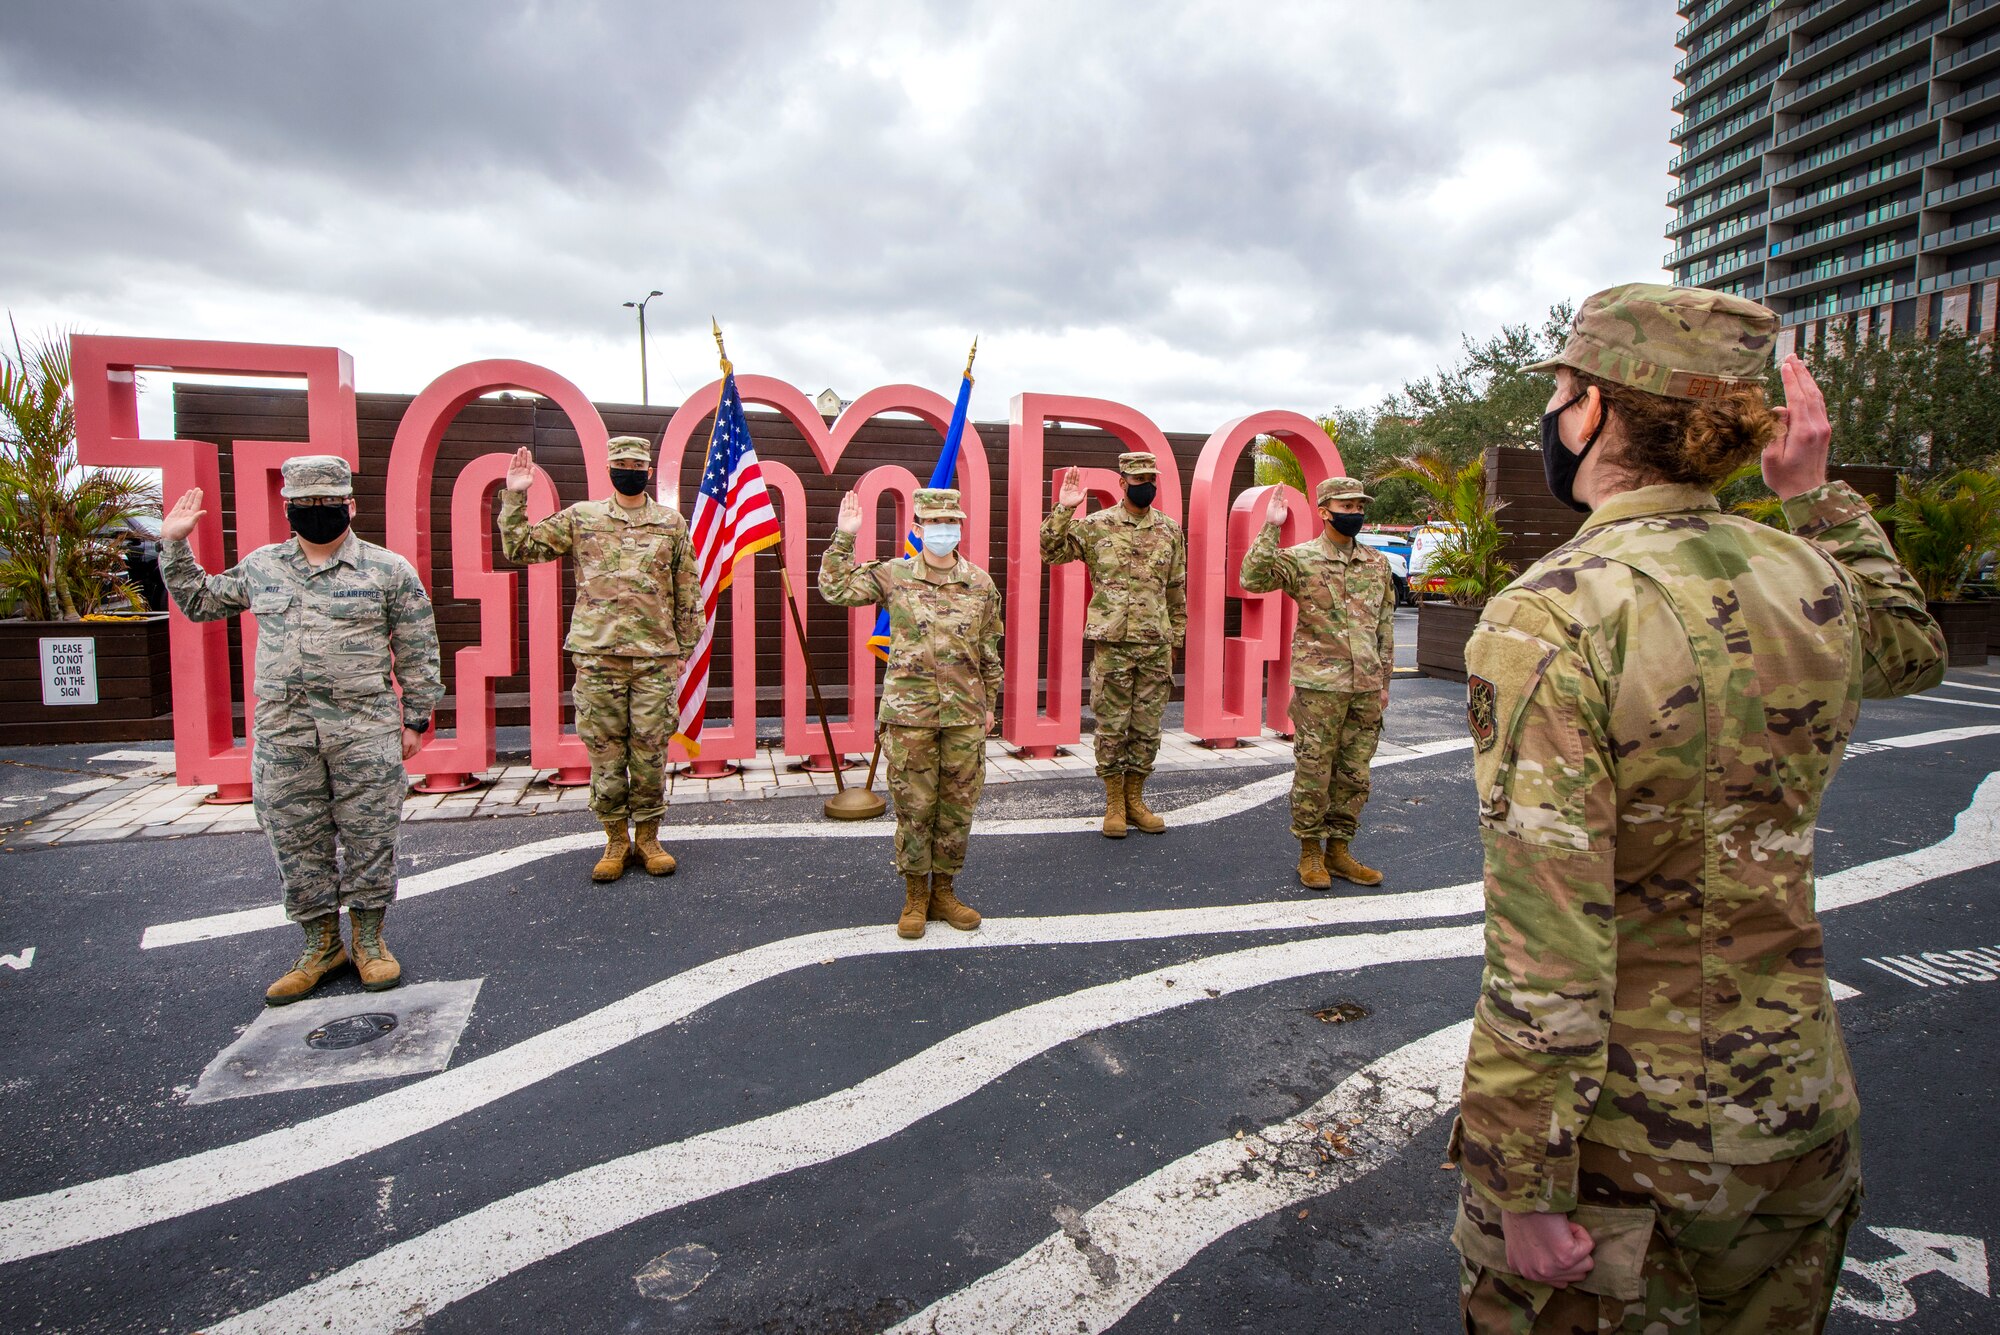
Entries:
{"x":1482,"y":711}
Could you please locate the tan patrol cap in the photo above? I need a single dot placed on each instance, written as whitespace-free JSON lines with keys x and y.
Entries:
{"x":1138,"y":462}
{"x":1679,"y":342}
{"x":1340,"y":489}
{"x":937,"y":503}
{"x":623,"y":449}
{"x":316,"y":475}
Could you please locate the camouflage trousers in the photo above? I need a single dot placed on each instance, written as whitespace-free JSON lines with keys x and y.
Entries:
{"x":1719,"y":1249}
{"x":935,"y":778}
{"x":327,"y":784}
{"x":1129,"y":687}
{"x":626,"y":712}
{"x":1334,"y":736}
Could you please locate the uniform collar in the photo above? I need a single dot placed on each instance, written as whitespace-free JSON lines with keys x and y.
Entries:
{"x":1135,"y":521}
{"x":960,"y":572}
{"x":652,"y":512}
{"x":1339,"y":551}
{"x":348,"y":553}
{"x":1661,"y":499}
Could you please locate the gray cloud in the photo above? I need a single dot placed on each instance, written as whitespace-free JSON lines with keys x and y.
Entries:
{"x":1199,"y":208}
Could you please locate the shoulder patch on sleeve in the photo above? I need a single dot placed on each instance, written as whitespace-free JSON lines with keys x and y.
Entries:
{"x":1482,"y":710}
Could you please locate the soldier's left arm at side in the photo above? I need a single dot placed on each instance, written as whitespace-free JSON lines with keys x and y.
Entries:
{"x":413,"y":643}
{"x":689,"y":614}
{"x":1548,"y":820}
{"x":1177,"y":588}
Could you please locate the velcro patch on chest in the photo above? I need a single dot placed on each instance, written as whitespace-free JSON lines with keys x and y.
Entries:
{"x":1482,"y":711}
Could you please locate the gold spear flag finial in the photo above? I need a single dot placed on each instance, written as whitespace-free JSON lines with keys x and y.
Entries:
{"x":720,"y":351}
{"x":971,"y":355}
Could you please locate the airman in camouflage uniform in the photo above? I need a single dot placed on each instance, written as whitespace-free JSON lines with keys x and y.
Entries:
{"x":938,"y":695}
{"x":638,"y":614}
{"x":1343,"y":650}
{"x":1137,"y":559}
{"x":1658,"y":1125}
{"x":341,"y":623}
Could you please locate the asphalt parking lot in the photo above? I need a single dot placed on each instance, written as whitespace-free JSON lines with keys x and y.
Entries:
{"x":1162,"y":1089}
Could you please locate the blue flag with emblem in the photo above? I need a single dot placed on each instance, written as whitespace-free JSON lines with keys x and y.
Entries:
{"x":947,"y":464}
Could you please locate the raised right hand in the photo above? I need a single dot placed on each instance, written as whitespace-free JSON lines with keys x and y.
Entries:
{"x":180,"y":520}
{"x":1071,"y":494}
{"x":1275,"y":512}
{"x":1795,"y":460}
{"x":521,"y":470}
{"x":850,"y":514}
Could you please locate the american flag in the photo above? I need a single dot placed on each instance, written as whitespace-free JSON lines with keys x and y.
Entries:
{"x":733,"y":519}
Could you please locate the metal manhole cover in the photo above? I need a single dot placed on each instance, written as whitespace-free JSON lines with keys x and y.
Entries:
{"x":351,"y":1031}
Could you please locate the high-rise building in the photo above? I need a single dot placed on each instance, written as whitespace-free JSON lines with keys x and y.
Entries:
{"x":1839,"y":161}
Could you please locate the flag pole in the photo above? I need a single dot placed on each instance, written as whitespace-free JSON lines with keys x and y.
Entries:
{"x":845,"y":804}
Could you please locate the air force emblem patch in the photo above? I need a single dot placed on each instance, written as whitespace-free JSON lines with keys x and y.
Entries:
{"x":1482,"y":703}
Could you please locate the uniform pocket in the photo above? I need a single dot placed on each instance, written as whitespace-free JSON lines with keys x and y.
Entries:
{"x":1621,"y":1235}
{"x":272,"y":602}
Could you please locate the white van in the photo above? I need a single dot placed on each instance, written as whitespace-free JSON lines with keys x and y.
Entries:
{"x":1423,"y":542}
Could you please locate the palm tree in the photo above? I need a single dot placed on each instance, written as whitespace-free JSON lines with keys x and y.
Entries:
{"x":1468,"y":555}
{"x":61,"y":525}
{"x":1945,"y":527}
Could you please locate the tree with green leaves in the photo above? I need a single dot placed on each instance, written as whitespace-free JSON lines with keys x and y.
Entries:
{"x":1467,"y":558}
{"x":62,"y":526}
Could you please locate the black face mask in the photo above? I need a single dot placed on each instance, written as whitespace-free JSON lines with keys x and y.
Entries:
{"x":1559,"y":466}
{"x":317,"y":523}
{"x":1141,"y":494}
{"x":629,"y":481}
{"x":1346,"y":525}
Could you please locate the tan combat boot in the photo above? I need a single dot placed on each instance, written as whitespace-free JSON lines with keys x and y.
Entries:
{"x":323,"y":954}
{"x":372,"y":960}
{"x":1312,"y":867}
{"x":945,"y":906}
{"x":646,"y":839}
{"x":1346,"y":868}
{"x":617,"y":847}
{"x":1137,"y":813}
{"x":1114,"y":806}
{"x":916,"y":906}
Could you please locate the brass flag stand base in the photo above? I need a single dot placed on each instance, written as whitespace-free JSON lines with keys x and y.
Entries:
{"x":859,"y":803}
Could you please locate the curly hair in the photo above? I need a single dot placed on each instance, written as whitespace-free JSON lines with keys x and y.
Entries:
{"x":1694,"y":443}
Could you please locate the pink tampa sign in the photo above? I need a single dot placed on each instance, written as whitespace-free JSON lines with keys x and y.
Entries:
{"x":1226,"y":688}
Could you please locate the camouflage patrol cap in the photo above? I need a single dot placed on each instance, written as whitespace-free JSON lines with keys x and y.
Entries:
{"x":626,"y":449}
{"x":1680,"y":342}
{"x":937,"y":503}
{"x":316,"y":475}
{"x":1137,"y":463}
{"x":1340,"y":489}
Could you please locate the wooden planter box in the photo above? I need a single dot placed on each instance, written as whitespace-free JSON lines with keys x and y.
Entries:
{"x":1967,"y":626}
{"x":1442,"y":630}
{"x":134,"y":684}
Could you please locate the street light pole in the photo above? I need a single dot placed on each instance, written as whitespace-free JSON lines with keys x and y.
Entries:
{"x":645,"y":392}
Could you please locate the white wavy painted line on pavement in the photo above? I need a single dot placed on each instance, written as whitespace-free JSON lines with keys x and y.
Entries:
{"x":417,"y":1278}
{"x":88,"y":1211}
{"x":1161,"y":1222}
{"x":1089,"y":1274}
{"x":1937,"y":737}
{"x":1220,"y":807}
{"x":1950,"y":700}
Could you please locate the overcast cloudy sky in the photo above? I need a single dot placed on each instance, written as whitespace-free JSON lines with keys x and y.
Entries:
{"x":1199,"y":209}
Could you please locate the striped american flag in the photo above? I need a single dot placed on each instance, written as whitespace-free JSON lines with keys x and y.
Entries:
{"x":732,"y":519}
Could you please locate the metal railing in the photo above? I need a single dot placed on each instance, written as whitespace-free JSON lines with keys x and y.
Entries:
{"x":1972,"y":273}
{"x":1962,"y":232}
{"x":1723,"y":102}
{"x":1851,"y":142}
{"x":1722,"y":37}
{"x":1843,"y":267}
{"x":1901,"y":208}
{"x":1967,"y":142}
{"x":1875,"y":175}
{"x":1721,"y":236}
{"x":1721,"y":69}
{"x":1959,"y":189}
{"x":1724,"y":199}
{"x":1867,"y":18}
{"x":1966,"y":99}
{"x":1990,"y":42}
{"x":1874,"y":295}
{"x":1894,"y":44}
{"x":1915,"y":76}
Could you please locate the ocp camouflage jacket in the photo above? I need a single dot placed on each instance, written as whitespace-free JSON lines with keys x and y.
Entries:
{"x":1345,"y":639}
{"x":1657,"y":708}
{"x":1138,"y":571}
{"x":944,"y":634}
{"x":638,"y":591}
